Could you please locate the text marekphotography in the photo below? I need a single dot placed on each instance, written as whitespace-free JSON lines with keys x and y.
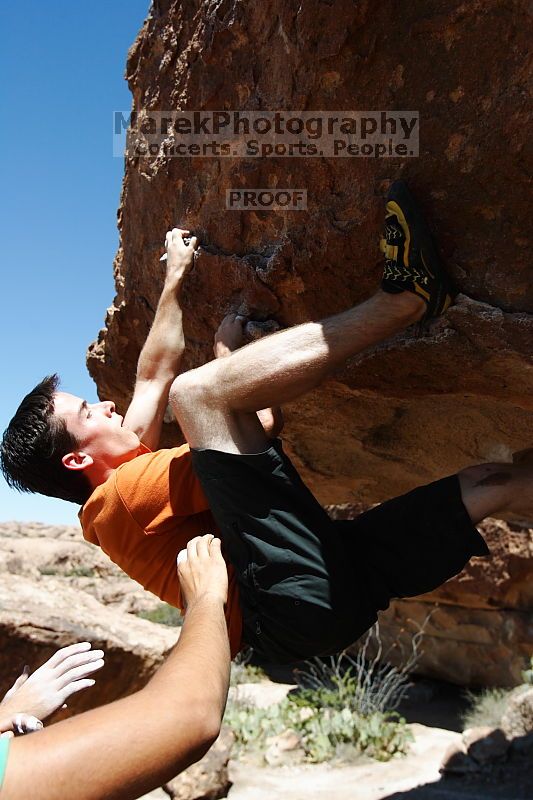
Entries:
{"x":266,"y":134}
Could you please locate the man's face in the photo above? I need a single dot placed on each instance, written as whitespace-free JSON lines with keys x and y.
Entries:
{"x":98,"y":430}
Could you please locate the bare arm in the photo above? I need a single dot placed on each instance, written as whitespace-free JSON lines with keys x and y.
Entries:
{"x":128,"y":748}
{"x":160,"y":357}
{"x":229,"y":337}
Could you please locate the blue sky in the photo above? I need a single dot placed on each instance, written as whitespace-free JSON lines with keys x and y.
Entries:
{"x":62,"y":67}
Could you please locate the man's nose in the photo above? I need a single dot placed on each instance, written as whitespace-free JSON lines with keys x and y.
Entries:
{"x":109,"y":407}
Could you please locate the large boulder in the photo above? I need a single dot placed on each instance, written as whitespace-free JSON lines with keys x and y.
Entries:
{"x":417,"y":407}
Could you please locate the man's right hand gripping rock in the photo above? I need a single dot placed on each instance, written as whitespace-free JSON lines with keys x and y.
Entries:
{"x":180,"y":254}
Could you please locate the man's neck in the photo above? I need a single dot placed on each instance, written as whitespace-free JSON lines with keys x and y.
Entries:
{"x":99,"y":472}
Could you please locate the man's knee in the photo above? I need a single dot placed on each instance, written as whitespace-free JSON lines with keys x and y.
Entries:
{"x":205,"y":421}
{"x":192,"y":390}
{"x":185,"y":392}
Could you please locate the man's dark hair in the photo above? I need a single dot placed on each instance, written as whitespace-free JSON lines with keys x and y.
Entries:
{"x":33,"y":445}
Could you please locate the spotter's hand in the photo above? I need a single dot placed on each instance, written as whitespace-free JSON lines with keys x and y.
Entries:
{"x":50,"y":686}
{"x":202,"y":570}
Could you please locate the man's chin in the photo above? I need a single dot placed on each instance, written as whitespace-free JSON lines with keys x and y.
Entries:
{"x":136,"y":445}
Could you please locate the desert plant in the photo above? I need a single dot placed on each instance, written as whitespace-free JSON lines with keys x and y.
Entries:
{"x":366,"y":685}
{"x":164,"y":614}
{"x":486,"y":708}
{"x":324,"y":733}
{"x":80,"y":572}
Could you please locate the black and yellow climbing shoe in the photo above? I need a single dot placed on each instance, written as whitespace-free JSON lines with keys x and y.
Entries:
{"x":411,"y":260}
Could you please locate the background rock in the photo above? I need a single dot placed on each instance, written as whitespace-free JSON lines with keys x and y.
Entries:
{"x":40,"y":551}
{"x":492,"y":762}
{"x":415,"y":408}
{"x":208,"y":779}
{"x":35,"y":620}
{"x":485,"y":745}
{"x":518,"y":717}
{"x":367,"y":779}
{"x":40,"y":611}
{"x":260,"y":695}
{"x":52,"y":584}
{"x":480,"y":632}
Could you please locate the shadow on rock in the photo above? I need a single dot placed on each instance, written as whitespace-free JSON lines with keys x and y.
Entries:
{"x":491,"y":768}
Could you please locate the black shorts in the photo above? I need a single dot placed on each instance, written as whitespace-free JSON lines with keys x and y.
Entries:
{"x":309,"y":585}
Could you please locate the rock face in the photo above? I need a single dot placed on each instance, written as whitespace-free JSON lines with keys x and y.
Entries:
{"x":35,"y":621}
{"x":415,"y":408}
{"x":480,"y":628}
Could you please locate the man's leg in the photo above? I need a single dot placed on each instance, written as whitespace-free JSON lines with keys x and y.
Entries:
{"x":489,"y":489}
{"x":216,"y":403}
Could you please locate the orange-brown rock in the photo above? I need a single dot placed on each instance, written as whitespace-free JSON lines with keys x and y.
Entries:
{"x":503,"y":581}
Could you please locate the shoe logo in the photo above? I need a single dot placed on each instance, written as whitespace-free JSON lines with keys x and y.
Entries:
{"x":392,"y":233}
{"x":393,"y":272}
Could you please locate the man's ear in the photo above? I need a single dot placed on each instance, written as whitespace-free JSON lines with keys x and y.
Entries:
{"x":77,"y":460}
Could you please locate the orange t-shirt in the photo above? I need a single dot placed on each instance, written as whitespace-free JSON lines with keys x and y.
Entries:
{"x":144,"y":514}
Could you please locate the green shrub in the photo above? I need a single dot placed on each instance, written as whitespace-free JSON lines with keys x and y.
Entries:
{"x":324,"y":732}
{"x":74,"y":572}
{"x":164,"y":614}
{"x":366,"y":685}
{"x":80,"y":572}
{"x":246,"y":673}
